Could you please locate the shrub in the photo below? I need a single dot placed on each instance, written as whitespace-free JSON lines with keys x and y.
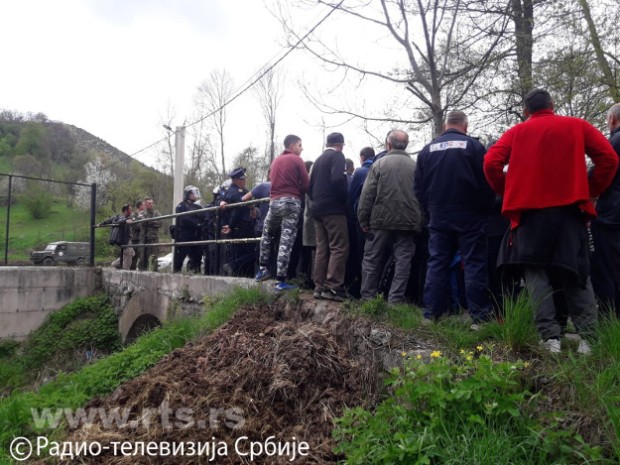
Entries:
{"x":471,"y":410}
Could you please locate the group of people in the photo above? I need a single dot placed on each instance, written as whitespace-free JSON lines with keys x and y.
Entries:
{"x":128,"y":231}
{"x":370,"y":231}
{"x":537,"y":174}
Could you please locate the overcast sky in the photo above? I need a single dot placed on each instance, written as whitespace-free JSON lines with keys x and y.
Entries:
{"x":116,"y":67}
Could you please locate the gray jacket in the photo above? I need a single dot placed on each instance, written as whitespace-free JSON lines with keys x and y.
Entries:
{"x":388,"y":200}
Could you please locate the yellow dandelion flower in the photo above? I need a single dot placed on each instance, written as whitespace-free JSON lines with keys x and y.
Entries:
{"x":404,"y":354}
{"x":436,"y":353}
{"x":419,"y":357}
{"x":526,"y":365}
{"x":469,"y":358}
{"x":462,"y":351}
{"x":479,"y":348}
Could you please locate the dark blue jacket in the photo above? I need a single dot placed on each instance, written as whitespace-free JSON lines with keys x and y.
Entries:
{"x":608,"y":205}
{"x":449,"y":180}
{"x":188,"y":226}
{"x":355,"y":188}
{"x":237,"y":218}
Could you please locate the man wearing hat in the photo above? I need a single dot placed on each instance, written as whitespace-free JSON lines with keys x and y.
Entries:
{"x":239,"y":224}
{"x":328,"y":192}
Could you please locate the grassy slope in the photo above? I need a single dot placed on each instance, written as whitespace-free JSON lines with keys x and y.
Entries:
{"x":106,"y":374}
{"x":63,"y":224}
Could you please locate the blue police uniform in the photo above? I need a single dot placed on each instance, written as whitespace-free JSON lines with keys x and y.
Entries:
{"x":241,"y":223}
{"x":452,"y":189}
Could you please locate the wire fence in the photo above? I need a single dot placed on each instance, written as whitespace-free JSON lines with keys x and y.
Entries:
{"x":47,"y":212}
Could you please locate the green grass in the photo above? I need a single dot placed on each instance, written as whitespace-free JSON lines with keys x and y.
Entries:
{"x":402,"y":316}
{"x":103,"y":376}
{"x":86,"y":324}
{"x":63,"y":224}
{"x":578,"y":393}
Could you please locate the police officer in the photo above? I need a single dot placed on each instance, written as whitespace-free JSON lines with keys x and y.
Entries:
{"x":238,"y":223}
{"x":208,"y":233}
{"x":188,"y":230}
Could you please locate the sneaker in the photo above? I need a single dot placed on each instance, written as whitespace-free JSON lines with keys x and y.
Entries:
{"x":427,"y":322}
{"x":284,"y":286}
{"x":317,"y":294}
{"x":552,"y":346}
{"x":333,"y":294}
{"x":584,"y":348}
{"x":475,"y":327}
{"x":262,"y":275}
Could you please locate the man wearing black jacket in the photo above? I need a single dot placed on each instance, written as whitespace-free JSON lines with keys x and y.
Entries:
{"x":188,"y":230}
{"x":122,"y":237}
{"x":328,"y":192}
{"x":606,"y":232}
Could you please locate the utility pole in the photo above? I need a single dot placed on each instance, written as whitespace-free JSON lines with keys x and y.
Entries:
{"x":179,"y":162}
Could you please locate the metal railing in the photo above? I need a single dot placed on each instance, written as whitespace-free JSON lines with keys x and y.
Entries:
{"x":216,"y":232}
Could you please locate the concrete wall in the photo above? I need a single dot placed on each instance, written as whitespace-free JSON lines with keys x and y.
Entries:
{"x":29,"y":294}
{"x":162,"y":295}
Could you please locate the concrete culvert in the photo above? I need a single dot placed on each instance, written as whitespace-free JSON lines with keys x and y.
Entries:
{"x":143,"y":324}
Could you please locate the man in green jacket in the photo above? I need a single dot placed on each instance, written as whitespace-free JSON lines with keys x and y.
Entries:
{"x":390,"y":215}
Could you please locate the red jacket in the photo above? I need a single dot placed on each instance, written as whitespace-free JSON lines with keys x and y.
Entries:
{"x":289,"y":177}
{"x":547,"y":166}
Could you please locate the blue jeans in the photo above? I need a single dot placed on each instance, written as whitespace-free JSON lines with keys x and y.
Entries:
{"x":444,"y":242}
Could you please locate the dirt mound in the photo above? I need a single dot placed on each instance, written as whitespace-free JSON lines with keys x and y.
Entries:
{"x":269,"y":372}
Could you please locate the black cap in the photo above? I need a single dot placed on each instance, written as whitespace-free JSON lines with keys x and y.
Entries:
{"x":335,"y":138}
{"x":237,"y":173}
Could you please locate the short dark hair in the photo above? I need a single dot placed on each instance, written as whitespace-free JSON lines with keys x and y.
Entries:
{"x":139,"y":204}
{"x":456,"y":118}
{"x":290,"y":140}
{"x":148,"y":198}
{"x":349,"y":162}
{"x":367,"y":153}
{"x":536,"y":100}
{"x":125,"y":208}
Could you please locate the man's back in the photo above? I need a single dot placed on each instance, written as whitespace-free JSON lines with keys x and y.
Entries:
{"x":449,"y":175}
{"x":547,"y":166}
{"x":328,"y":184}
{"x":289,"y":177}
{"x":388,"y":200}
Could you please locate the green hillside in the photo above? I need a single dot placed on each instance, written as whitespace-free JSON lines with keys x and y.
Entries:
{"x":63,"y":224}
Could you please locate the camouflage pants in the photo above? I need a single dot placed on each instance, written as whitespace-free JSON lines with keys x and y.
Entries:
{"x":283,"y":213}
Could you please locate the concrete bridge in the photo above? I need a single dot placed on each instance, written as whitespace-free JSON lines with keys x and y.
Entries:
{"x":142,"y":300}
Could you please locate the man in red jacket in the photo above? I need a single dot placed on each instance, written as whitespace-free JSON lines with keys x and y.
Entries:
{"x":547,"y":197}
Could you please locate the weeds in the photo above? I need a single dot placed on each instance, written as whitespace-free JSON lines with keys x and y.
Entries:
{"x":106,"y":374}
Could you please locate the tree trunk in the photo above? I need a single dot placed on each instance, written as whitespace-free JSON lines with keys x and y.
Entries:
{"x":523,"y":17}
{"x":608,"y":76}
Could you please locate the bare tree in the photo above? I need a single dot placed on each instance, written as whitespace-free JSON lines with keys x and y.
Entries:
{"x":442,"y":63}
{"x":213,"y":95}
{"x":269,"y":92}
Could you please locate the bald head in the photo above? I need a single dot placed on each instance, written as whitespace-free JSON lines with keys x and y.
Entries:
{"x":397,"y":140}
{"x":456,"y":120}
{"x":613,"y":117}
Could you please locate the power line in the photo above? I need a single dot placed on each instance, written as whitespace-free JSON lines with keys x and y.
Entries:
{"x":251,"y":82}
{"x":268,"y":69}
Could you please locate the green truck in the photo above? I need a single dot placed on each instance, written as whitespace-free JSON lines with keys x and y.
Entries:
{"x":71,"y":253}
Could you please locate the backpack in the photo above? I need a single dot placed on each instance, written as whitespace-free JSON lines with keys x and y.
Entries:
{"x":115,"y":235}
